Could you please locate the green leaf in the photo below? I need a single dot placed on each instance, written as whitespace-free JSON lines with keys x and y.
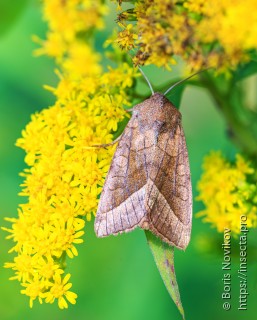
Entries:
{"x":176,"y":94}
{"x":245,"y":70}
{"x":9,"y":12}
{"x":164,"y":259}
{"x":121,"y":127}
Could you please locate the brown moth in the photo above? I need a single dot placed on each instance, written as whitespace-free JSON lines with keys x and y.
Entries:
{"x":148,"y":184}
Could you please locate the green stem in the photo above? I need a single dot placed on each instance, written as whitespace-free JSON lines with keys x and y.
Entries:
{"x":243,"y":133}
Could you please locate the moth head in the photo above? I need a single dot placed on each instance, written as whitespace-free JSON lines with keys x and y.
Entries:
{"x":156,"y":112}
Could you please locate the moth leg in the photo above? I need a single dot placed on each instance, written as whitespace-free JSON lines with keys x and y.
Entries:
{"x":107,"y":144}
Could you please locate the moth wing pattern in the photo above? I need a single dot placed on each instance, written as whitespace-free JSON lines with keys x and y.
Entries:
{"x":169,"y":192}
{"x":148,"y":184}
{"x":121,"y":203}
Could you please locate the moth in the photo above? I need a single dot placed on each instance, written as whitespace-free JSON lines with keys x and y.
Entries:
{"x":148,"y":184}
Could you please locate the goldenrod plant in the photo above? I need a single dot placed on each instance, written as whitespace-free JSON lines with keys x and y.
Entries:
{"x":228,"y":191}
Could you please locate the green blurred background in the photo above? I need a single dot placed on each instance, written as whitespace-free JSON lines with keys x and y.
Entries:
{"x":115,"y":277}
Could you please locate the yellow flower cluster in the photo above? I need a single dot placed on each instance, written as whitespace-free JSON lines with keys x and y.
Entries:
{"x":66,"y":171}
{"x":228,"y":191}
{"x":203,"y":33}
{"x":68,"y":21}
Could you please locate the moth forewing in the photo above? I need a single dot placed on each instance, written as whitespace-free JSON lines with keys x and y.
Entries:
{"x":148,"y":184}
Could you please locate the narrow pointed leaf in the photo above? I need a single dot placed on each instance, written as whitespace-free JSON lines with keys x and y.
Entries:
{"x":164,"y":259}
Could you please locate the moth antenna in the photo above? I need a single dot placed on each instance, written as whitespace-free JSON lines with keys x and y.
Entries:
{"x":179,"y":82}
{"x":149,"y":84}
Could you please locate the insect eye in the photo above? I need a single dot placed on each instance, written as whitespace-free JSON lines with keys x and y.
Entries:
{"x":135,"y":114}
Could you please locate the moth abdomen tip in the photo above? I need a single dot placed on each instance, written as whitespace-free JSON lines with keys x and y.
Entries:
{"x":144,"y":224}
